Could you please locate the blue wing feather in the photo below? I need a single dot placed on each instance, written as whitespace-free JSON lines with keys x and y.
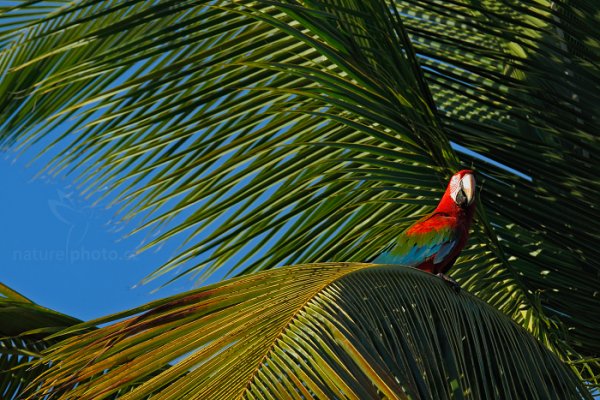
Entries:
{"x":412,"y":251}
{"x":444,"y":250}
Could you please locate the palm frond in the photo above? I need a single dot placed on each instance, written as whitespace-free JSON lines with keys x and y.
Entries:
{"x":24,"y":326}
{"x":525,"y":92}
{"x":323,"y":330}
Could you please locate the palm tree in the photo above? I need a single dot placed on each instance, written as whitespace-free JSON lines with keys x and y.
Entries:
{"x":270,"y":133}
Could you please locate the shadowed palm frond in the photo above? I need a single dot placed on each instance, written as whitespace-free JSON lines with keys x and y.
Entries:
{"x":23,"y":329}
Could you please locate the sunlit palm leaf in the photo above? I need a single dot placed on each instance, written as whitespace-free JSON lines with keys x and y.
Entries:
{"x":23,"y":328}
{"x":327,"y":128}
{"x":324,"y":331}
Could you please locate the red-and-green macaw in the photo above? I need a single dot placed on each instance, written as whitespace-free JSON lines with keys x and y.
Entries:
{"x":434,"y":242}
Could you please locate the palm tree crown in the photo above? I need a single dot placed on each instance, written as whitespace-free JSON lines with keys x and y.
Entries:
{"x":266,"y":133}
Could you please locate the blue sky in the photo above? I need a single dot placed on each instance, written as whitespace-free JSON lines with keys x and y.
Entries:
{"x":63,"y":254}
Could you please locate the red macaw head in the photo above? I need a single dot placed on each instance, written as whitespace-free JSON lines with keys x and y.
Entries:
{"x":460,"y":193}
{"x":462,"y":188}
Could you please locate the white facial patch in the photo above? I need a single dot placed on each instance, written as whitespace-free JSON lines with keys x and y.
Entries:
{"x":454,"y":186}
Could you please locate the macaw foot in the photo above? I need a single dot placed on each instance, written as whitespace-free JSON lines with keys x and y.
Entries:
{"x":450,"y":282}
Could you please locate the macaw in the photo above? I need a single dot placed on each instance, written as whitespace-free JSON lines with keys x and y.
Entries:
{"x":434,"y":242}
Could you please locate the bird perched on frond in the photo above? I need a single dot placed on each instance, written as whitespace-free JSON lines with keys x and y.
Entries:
{"x":434,"y":242}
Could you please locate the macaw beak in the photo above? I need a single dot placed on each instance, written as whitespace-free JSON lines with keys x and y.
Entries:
{"x":466,"y":194}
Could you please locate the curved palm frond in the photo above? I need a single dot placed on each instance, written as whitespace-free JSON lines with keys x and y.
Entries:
{"x":332,"y":330}
{"x":23,"y":329}
{"x":327,"y":127}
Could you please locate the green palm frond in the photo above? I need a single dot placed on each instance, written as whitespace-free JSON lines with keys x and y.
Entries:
{"x":323,"y":330}
{"x":23,"y":330}
{"x":271,"y":133}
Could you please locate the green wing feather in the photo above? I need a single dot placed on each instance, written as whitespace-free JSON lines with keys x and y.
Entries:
{"x":414,"y":247}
